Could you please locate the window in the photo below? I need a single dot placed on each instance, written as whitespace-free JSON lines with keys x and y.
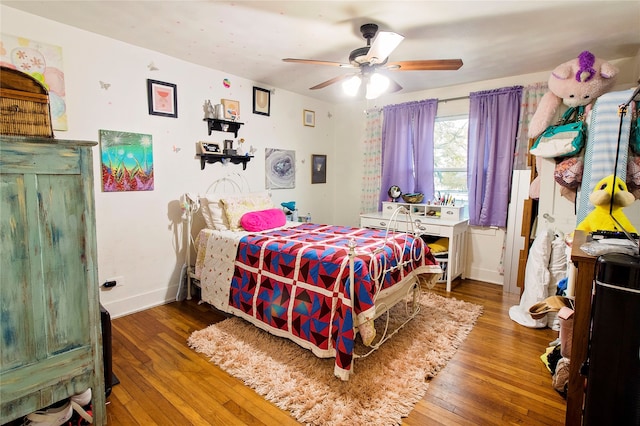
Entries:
{"x":450,"y":157}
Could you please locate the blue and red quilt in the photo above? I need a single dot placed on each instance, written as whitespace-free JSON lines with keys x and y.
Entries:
{"x":295,"y":282}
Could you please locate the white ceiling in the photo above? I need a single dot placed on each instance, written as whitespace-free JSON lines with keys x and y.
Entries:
{"x":249,"y":39}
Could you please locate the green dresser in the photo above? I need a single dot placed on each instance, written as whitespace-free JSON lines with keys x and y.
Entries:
{"x":50,"y":340}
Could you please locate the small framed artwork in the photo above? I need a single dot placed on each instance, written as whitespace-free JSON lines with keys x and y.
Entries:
{"x":318,"y":168}
{"x":231,"y":109}
{"x":209,"y":148}
{"x":280,"y":168}
{"x":162,"y":98}
{"x":261,"y":101}
{"x":309,"y":118}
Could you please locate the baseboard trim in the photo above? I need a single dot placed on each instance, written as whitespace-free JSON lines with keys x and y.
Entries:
{"x":487,"y":276}
{"x":140,"y":302}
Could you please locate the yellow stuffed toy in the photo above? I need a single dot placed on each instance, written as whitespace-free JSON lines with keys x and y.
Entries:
{"x":599,"y":219}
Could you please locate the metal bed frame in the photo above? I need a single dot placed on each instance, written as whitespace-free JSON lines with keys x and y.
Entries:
{"x":410,"y":295}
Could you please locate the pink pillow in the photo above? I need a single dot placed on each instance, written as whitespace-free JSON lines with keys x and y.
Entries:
{"x":262,"y":220}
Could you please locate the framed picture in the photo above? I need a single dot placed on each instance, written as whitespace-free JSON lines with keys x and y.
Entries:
{"x":231,"y":109}
{"x":127,"y":161}
{"x":261,"y":101}
{"x":318,"y":168}
{"x":163,"y":98}
{"x":280,"y":168}
{"x":209,"y":148}
{"x":309,"y":118}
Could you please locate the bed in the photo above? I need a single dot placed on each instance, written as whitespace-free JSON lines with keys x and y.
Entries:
{"x":294,"y":280}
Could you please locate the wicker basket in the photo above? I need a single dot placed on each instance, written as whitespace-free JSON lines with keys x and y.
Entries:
{"x":24,"y":105}
{"x":413,"y":198}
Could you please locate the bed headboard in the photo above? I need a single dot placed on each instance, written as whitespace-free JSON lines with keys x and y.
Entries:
{"x":233,"y":182}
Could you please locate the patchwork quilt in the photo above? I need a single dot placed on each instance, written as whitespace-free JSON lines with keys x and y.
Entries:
{"x":296,"y":282}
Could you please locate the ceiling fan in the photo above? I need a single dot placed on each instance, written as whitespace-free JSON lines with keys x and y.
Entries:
{"x":374,"y":57}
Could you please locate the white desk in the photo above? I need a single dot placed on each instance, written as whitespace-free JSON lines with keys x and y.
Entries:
{"x":455,"y":230}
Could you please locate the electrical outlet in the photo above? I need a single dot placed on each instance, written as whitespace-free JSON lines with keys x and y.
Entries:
{"x":110,"y":283}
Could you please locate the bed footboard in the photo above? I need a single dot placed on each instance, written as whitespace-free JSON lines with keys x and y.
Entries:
{"x":408,"y":291}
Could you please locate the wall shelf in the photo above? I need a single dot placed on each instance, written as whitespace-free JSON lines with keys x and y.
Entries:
{"x":218,"y":158}
{"x":216,"y":124}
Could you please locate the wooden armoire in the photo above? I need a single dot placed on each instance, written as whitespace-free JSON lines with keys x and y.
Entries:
{"x":50,"y":340}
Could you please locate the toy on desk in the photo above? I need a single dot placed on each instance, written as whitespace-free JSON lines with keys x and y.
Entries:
{"x":290,"y":210}
{"x":290,"y":206}
{"x":599,"y":219}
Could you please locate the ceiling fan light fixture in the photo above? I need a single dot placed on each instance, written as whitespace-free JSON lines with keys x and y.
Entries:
{"x":383,"y":45}
{"x":373,"y":57}
{"x":376,"y":85}
{"x":352,"y":85}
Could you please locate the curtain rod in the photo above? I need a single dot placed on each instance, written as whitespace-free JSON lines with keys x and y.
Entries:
{"x":458,"y":98}
{"x":453,"y":99}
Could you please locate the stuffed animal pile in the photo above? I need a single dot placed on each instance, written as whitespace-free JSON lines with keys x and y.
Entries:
{"x":578,"y":82}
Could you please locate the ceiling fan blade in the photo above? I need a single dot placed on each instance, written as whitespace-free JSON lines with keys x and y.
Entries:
{"x":384,"y":43}
{"x":330,"y":82}
{"x":314,"y":62}
{"x":425,"y":65}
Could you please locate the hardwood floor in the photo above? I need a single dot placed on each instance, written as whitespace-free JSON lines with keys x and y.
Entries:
{"x":496,"y":377}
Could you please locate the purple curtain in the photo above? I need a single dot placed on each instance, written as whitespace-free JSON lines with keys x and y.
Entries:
{"x":407,"y":147}
{"x":493,"y":127}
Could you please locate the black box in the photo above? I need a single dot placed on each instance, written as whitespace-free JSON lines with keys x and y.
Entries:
{"x":110,"y":379}
{"x":613,"y":379}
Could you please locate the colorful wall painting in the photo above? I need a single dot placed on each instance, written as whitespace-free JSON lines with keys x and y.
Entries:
{"x":43,"y":62}
{"x":127,"y":161}
{"x":280,"y":168}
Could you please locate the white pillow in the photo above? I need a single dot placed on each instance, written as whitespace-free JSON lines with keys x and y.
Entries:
{"x":214,"y":211}
{"x":235,"y":207}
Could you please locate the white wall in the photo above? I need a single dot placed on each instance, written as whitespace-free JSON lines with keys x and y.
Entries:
{"x":140,"y":233}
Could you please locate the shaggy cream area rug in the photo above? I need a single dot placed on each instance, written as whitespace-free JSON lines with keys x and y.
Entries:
{"x":385,"y":386}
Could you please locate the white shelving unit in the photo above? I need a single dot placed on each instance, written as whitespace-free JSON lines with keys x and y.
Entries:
{"x":434,"y":211}
{"x":446,"y":221}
